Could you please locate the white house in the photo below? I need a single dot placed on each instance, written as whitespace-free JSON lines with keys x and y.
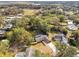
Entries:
{"x":2,"y":33}
{"x":8,"y":26}
{"x":71,"y":26}
{"x":19,"y":15}
{"x":28,"y":53}
{"x":20,"y":54}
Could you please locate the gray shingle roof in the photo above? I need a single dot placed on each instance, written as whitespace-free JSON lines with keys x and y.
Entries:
{"x":61,"y":38}
{"x":41,"y":37}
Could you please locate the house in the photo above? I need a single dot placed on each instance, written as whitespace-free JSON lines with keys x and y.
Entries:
{"x":7,"y":20}
{"x":47,"y":43}
{"x":11,"y":17}
{"x":71,"y":26}
{"x":61,"y":38}
{"x":20,"y":54}
{"x":2,"y":33}
{"x":41,"y":37}
{"x":28,"y":53}
{"x":19,"y":15}
{"x":8,"y":26}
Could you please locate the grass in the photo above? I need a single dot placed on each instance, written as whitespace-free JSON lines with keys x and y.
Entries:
{"x":7,"y":54}
{"x":29,"y":12}
{"x":42,"y":48}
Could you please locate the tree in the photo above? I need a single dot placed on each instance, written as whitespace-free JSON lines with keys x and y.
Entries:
{"x":62,"y":18}
{"x":11,"y":11}
{"x":63,"y":30}
{"x":1,"y":21}
{"x":65,"y":51}
{"x":4,"y":45}
{"x":4,"y":49}
{"x":23,"y":22}
{"x":76,"y":21}
{"x":75,"y":40}
{"x":39,"y":24}
{"x":20,"y":37}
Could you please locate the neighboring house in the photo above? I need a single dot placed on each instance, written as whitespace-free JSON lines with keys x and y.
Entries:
{"x":7,"y":26}
{"x":41,"y":37}
{"x":71,"y":26}
{"x":7,"y":21}
{"x":19,"y":15}
{"x":31,"y":51}
{"x":47,"y":43}
{"x":11,"y":17}
{"x":61,"y":38}
{"x":20,"y":54}
{"x":2,"y":33}
{"x":28,"y":53}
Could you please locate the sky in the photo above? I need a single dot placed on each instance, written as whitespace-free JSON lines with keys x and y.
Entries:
{"x":39,"y":0}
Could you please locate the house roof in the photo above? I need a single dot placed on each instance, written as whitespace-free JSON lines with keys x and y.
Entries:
{"x":8,"y":26}
{"x":70,"y":22}
{"x":28,"y":53}
{"x":2,"y":32}
{"x":40,"y":37}
{"x":20,"y":54}
{"x":72,"y":27}
{"x":11,"y":17}
{"x":58,"y":36}
{"x":61,"y":38}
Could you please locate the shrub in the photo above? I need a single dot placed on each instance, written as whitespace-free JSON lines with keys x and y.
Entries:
{"x":65,"y":51}
{"x":20,"y":36}
{"x":40,"y":54}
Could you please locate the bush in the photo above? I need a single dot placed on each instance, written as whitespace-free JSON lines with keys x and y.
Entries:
{"x":39,"y":24}
{"x":23,"y":22}
{"x":20,"y":36}
{"x":4,"y":49}
{"x":73,"y":42}
{"x":65,"y":51}
{"x":40,"y":54}
{"x":62,"y":18}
